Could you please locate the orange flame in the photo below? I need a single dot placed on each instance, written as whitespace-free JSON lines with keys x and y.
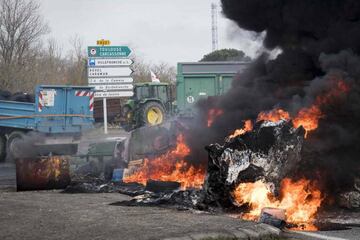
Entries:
{"x":273,"y":115}
{"x":52,"y":167}
{"x":248,"y":126}
{"x":170,"y":166}
{"x":301,"y":200}
{"x":212,"y":115}
{"x":309,"y":117}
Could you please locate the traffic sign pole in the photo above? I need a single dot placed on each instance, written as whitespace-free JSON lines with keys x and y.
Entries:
{"x":105,"y":116}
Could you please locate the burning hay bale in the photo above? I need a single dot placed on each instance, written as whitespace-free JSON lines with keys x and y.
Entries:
{"x":253,"y":171}
{"x":270,"y":152}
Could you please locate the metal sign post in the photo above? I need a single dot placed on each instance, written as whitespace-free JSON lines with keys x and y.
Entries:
{"x":105,"y":116}
{"x":109,"y":73}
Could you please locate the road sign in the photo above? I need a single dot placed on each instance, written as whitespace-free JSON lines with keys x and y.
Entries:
{"x":108,"y":62}
{"x":109,"y":72}
{"x":114,"y":94}
{"x":109,"y":51}
{"x":103,"y":42}
{"x":113,"y":87}
{"x":110,"y":80}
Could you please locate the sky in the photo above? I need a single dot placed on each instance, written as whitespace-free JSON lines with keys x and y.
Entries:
{"x":167,"y":31}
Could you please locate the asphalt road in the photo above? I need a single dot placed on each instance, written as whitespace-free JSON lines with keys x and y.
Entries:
{"x":7,"y":176}
{"x":351,"y":234}
{"x":55,"y":215}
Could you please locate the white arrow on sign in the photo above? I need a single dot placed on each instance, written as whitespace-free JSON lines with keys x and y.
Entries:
{"x":112,"y":80}
{"x":113,"y":87}
{"x":109,"y":72}
{"x":108,"y":62}
{"x":114,"y":94}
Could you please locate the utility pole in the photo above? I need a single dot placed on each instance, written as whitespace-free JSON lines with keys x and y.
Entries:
{"x":214,"y":26}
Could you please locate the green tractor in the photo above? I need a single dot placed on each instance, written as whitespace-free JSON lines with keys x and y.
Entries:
{"x":151,"y":104}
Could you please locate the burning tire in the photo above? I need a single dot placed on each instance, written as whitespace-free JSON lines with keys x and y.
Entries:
{"x":152,"y":113}
{"x":13,"y":145}
{"x":2,"y":148}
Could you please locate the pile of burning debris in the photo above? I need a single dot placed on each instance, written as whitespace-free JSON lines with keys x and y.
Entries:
{"x":257,"y":171}
{"x":254,"y":170}
{"x":249,"y":173}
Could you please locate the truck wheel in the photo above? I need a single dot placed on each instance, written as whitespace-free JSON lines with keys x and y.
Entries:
{"x":2,"y":148}
{"x":13,"y":145}
{"x":152,"y":113}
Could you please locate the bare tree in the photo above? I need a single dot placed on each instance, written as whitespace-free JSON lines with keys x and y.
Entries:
{"x":21,"y":28}
{"x":141,"y":70}
{"x":76,"y":74}
{"x":163,"y":71}
{"x":50,"y":65}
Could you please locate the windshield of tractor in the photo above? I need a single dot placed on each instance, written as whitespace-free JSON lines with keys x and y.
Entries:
{"x":142,"y":92}
{"x":159,"y":92}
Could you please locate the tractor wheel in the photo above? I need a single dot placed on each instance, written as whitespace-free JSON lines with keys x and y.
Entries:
{"x":152,"y":113}
{"x":14,"y":145}
{"x":125,"y":111}
{"x":2,"y":148}
{"x":126,"y":118}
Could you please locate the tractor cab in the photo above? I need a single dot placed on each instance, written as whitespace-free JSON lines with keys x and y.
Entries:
{"x":150,"y":105}
{"x":158,"y":91}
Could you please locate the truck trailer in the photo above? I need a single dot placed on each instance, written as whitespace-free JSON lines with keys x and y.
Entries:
{"x":51,"y":125}
{"x":197,"y":80}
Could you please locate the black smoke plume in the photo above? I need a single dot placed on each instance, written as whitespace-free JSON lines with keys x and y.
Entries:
{"x":320,"y":45}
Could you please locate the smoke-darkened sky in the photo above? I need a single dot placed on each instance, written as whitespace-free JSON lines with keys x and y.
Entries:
{"x":158,"y":30}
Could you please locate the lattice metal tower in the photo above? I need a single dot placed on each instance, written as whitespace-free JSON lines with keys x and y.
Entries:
{"x":214,"y":26}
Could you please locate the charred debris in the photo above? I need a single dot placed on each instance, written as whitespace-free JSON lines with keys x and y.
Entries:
{"x":270,"y":152}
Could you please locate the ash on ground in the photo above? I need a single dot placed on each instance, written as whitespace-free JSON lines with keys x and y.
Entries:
{"x":155,"y":193}
{"x":92,"y":184}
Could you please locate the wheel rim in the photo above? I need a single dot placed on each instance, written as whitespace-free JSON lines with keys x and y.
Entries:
{"x":154,"y":116}
{"x":14,"y":147}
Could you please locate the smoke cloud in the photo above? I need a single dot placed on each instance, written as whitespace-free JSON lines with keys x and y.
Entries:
{"x":320,"y":44}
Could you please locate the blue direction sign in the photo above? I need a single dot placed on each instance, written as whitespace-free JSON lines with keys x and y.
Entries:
{"x":109,"y":51}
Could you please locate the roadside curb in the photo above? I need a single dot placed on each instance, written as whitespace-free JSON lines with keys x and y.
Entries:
{"x":257,"y":232}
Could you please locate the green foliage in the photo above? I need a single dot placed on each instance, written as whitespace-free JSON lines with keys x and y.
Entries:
{"x":226,"y":55}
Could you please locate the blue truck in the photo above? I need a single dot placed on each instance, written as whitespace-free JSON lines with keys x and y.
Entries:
{"x":52,"y":124}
